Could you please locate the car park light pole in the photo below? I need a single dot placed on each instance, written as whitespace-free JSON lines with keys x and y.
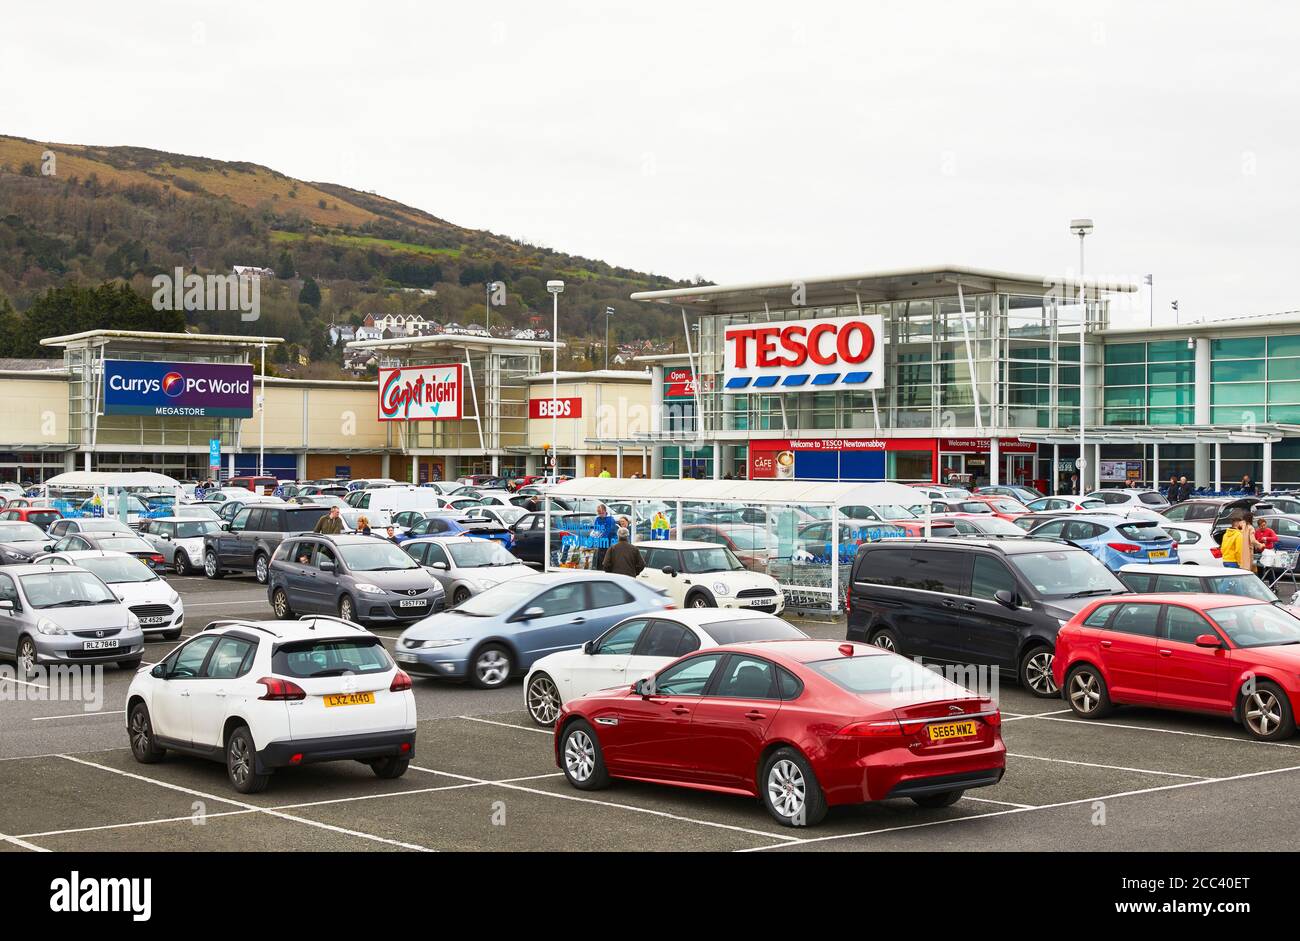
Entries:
{"x":1082,"y":228}
{"x":556,"y":288}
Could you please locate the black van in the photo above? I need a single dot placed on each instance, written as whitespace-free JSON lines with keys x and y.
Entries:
{"x":972,"y":601}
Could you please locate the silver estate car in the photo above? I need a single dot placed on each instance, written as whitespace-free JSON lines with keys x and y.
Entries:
{"x":56,"y":614}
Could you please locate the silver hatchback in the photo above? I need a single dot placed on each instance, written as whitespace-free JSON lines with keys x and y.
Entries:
{"x":55,"y":614}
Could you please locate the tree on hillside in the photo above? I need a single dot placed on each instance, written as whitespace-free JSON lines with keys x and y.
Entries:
{"x":74,"y":309}
{"x":284,"y":267}
{"x":310,"y":294}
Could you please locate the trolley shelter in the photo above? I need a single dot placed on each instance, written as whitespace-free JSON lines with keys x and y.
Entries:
{"x":804,"y":534}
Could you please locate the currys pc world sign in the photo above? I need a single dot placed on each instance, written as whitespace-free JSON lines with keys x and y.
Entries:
{"x":420,"y":393}
{"x":198,"y":390}
{"x":800,"y":355}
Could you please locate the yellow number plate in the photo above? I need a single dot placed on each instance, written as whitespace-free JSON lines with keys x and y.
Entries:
{"x":939,"y":733}
{"x":1158,"y":554}
{"x":350,"y":699}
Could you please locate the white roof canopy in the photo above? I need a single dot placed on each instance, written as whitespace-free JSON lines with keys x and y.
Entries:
{"x":793,"y":492}
{"x":134,"y":479}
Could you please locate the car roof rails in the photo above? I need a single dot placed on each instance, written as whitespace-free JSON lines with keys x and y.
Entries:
{"x":239,"y":622}
{"x":328,"y":617}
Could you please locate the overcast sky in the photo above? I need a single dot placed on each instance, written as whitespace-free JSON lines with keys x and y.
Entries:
{"x":738,"y":141}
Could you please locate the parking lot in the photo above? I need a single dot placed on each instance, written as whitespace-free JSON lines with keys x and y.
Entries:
{"x":484,"y":777}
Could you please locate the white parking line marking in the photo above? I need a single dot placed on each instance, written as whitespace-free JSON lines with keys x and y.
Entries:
{"x":18,"y":841}
{"x":236,"y":803}
{"x":14,"y":679}
{"x":1090,"y":764}
{"x":79,"y":715}
{"x":1143,"y":728}
{"x":508,"y":725}
{"x":1026,"y":810}
{"x":600,"y":803}
{"x":224,"y":604}
{"x":987,"y":800}
{"x":1031,"y":715}
{"x":134,"y":823}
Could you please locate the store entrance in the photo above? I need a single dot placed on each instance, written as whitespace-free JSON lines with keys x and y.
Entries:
{"x":1020,"y":469}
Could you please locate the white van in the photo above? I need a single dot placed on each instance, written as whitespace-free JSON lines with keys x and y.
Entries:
{"x":383,"y":502}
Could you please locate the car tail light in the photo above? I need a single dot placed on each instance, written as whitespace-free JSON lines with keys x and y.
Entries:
{"x":1216,"y":552}
{"x":400,"y":682}
{"x":885,"y":728}
{"x":157,"y":558}
{"x":280,"y":690}
{"x":995,"y":719}
{"x":1124,"y":547}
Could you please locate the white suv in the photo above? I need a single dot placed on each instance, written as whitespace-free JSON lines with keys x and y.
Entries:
{"x":707,"y":575}
{"x":261,"y":695}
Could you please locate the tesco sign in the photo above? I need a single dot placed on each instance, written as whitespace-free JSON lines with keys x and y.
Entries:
{"x":555,"y":408}
{"x":798,"y":355}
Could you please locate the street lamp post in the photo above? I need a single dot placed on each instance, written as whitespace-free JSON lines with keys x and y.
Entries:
{"x":556,"y":288}
{"x":609,"y":312}
{"x":261,"y":408}
{"x":1082,"y":228}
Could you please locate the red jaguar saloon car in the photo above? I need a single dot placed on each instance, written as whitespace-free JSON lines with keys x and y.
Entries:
{"x":1227,"y":655}
{"x":801,"y":725}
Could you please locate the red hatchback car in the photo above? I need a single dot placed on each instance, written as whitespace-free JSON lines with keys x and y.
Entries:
{"x":1228,"y":655}
{"x":801,"y":725}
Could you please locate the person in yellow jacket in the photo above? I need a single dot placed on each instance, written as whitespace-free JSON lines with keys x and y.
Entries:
{"x":1231,"y":545}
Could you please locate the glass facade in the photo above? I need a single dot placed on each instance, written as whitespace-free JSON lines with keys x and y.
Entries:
{"x":1255,"y":379}
{"x":1149,"y":383}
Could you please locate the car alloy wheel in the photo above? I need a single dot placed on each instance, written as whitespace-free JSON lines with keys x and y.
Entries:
{"x":26,"y":658}
{"x":181,"y":564}
{"x":579,"y":755}
{"x":543,"y":700}
{"x":885,"y":641}
{"x":241,"y":762}
{"x":492,"y":667}
{"x":1038,"y":673}
{"x":1263,"y":712}
{"x":786,"y":788}
{"x":260,"y":570}
{"x":210,"y":565}
{"x":346,"y":611}
{"x":699,"y":601}
{"x":280,"y":603}
{"x":1085,"y":692}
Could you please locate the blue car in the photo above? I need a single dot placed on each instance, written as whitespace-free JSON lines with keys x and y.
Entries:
{"x":1114,"y":540}
{"x":426,"y":523}
{"x":501,"y":632}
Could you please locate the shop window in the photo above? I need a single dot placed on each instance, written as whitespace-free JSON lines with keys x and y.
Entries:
{"x":1244,"y":370}
{"x":1170,"y":351}
{"x":1283,"y":369}
{"x":1284,"y":346}
{"x":1126,"y":375}
{"x":1125,"y":353}
{"x":1238,"y":348}
{"x":1237,"y":393}
{"x":1171,"y":373}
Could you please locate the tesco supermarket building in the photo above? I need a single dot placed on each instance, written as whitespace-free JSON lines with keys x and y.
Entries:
{"x":911,"y":375}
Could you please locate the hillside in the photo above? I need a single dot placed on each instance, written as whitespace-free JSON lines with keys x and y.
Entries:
{"x":126,"y":213}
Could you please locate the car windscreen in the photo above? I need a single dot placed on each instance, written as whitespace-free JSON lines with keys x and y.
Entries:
{"x":300,"y":519}
{"x":379,"y":556}
{"x":116,"y":569}
{"x":509,"y":514}
{"x":481,"y":553}
{"x":756,"y":538}
{"x":749,"y":629}
{"x":20,"y":532}
{"x":43,"y":517}
{"x":197,"y":511}
{"x":193,"y":529}
{"x":103,"y":526}
{"x":498,"y":600}
{"x":65,"y":590}
{"x":1142,"y":532}
{"x":1247,"y":585}
{"x":1065,"y":573}
{"x":306,"y":659}
{"x":1256,"y":625}
{"x":972,"y":507}
{"x":999,"y":527}
{"x":1152,"y":498}
{"x":123,"y":544}
{"x":885,"y":674}
{"x":700,"y":561}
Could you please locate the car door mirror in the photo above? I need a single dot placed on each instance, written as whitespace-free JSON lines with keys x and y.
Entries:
{"x":670,"y":571}
{"x":644,"y":687}
{"x":159,"y":671}
{"x":48,"y":547}
{"x":1006,"y":598}
{"x":440,"y":566}
{"x":166,"y":538}
{"x":225,"y":527}
{"x":1209,"y":640}
{"x":589,"y":647}
{"x":6,"y":606}
{"x":326,"y":565}
{"x":532,"y":613}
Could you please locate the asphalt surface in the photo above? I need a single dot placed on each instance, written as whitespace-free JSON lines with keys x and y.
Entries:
{"x":484,"y":778}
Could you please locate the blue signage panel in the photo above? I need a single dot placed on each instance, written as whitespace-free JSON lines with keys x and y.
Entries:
{"x":214,"y":452}
{"x":198,"y":390}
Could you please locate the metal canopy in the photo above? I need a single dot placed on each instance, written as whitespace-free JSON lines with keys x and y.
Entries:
{"x":1163,"y":434}
{"x":792,"y":492}
{"x":868,"y":287}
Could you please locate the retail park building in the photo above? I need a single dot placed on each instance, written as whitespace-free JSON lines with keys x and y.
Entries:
{"x":904,"y":375}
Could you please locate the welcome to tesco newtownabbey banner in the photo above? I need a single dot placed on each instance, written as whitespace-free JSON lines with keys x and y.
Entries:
{"x":201,"y":390}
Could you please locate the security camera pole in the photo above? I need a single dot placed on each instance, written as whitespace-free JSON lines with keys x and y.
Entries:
{"x":1081,"y":228}
{"x":609,"y":312}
